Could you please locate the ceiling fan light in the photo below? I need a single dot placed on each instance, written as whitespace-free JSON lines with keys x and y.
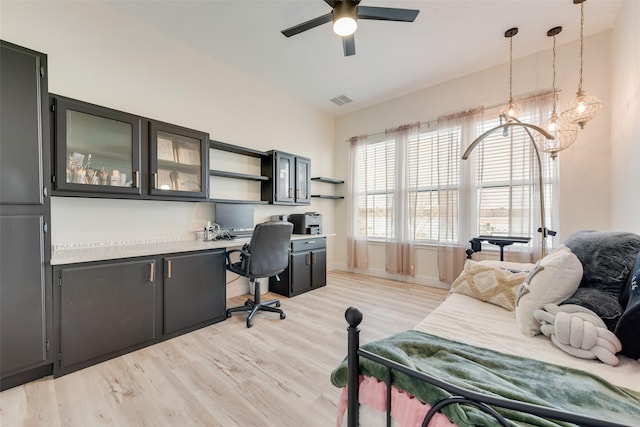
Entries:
{"x":345,"y":26}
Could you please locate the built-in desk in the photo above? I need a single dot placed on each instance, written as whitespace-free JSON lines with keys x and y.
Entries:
{"x":110,"y":300}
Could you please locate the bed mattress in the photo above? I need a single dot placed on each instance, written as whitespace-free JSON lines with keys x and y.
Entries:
{"x":468,"y":320}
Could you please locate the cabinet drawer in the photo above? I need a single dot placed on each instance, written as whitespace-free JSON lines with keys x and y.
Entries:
{"x":308,"y":244}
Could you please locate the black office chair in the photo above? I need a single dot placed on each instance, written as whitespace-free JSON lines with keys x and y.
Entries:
{"x":267,"y":255}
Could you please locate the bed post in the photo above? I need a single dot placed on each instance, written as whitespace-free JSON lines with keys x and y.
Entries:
{"x":353,"y":315}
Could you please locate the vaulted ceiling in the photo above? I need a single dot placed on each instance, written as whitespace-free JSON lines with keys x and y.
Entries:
{"x":449,"y":39}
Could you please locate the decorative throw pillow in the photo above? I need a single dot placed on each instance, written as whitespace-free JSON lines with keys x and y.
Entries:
{"x":553,"y":279}
{"x":628,"y":327}
{"x":489,"y":283}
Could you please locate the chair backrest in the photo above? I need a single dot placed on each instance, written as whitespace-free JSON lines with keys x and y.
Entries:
{"x":269,"y":249}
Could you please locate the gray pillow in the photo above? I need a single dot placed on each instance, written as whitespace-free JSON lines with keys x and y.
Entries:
{"x":605,"y":305}
{"x":607,"y":258}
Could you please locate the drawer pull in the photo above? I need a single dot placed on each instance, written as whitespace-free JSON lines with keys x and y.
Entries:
{"x":309,"y":242}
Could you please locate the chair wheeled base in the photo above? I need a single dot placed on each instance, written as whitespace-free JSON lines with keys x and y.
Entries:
{"x":255,"y":305}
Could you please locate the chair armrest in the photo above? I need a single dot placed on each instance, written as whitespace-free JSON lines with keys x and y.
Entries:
{"x":241,"y":251}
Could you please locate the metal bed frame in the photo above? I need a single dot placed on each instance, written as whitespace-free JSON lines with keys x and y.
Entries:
{"x":354,"y":316}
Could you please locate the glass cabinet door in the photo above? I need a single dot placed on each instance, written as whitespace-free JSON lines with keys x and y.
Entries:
{"x":303,"y":180}
{"x":97,"y":149}
{"x":178,"y":161}
{"x":284,"y":164}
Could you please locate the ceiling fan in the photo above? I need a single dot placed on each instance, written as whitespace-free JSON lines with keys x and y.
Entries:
{"x":345,"y":15}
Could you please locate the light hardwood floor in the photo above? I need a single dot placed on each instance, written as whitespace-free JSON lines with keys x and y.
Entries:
{"x":274,"y":374}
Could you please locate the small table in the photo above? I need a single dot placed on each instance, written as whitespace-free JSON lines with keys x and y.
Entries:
{"x":501,"y":241}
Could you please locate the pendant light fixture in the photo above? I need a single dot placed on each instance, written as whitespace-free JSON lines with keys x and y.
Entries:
{"x":584,"y":107}
{"x":564,"y":132}
{"x":512,"y":109}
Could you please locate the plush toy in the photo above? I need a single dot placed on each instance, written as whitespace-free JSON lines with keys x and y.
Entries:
{"x":579,"y":332}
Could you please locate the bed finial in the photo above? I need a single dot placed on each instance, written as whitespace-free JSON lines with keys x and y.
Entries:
{"x":353,"y":316}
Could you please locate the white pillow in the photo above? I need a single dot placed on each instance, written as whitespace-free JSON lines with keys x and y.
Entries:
{"x":553,"y":280}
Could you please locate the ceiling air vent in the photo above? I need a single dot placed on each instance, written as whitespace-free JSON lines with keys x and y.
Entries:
{"x":341,"y":100}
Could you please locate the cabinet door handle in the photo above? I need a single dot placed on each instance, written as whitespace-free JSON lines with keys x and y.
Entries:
{"x":307,"y":259}
{"x":297,"y":193}
{"x":137,"y":180}
{"x":155,"y":180}
{"x":168,"y":269}
{"x":152,"y":271}
{"x":290,"y":192}
{"x":314,"y":257}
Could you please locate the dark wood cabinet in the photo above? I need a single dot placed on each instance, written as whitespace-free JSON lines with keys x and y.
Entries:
{"x":194,"y":290}
{"x":108,"y":308}
{"x":102,"y":152}
{"x":25,"y":273}
{"x":104,"y":309}
{"x":178,"y":161}
{"x":289,"y":179}
{"x":97,"y":150}
{"x":307,"y":268}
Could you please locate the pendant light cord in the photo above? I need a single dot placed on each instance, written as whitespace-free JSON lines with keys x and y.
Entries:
{"x":511,"y":69}
{"x":553,"y":84}
{"x":581,"y":44}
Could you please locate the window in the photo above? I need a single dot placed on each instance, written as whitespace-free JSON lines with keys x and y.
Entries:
{"x":432,"y":179}
{"x":450,"y":200}
{"x":506,"y":183}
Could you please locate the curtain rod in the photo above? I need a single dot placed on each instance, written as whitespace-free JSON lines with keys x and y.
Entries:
{"x":434,"y":121}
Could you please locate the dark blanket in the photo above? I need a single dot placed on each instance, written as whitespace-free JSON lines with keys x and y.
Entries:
{"x":490,"y":372}
{"x":607,"y":258}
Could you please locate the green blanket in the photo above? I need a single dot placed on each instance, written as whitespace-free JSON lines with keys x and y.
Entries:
{"x":490,"y":372}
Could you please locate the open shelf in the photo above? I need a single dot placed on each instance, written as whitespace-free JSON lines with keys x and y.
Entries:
{"x":325,"y":196}
{"x":252,"y":202}
{"x":217,"y":145}
{"x":328,"y":180}
{"x":237,"y":175}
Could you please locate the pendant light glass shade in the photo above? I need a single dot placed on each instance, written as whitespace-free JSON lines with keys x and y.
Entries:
{"x":564,"y":132}
{"x":512,"y":109}
{"x":584,"y":107}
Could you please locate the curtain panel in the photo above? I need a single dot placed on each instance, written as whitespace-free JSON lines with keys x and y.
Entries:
{"x":357,"y":226}
{"x":457,"y":208}
{"x":401,"y":217}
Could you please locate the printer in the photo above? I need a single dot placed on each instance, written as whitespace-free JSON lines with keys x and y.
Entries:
{"x":306,"y":223}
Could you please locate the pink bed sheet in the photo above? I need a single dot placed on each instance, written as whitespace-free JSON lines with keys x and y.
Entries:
{"x":406,"y":410}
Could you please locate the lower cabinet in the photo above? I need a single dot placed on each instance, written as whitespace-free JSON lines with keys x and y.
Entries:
{"x":105,"y":310}
{"x":108,"y":308}
{"x":307,"y":268}
{"x":193,"y":294}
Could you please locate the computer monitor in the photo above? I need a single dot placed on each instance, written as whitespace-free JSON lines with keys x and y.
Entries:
{"x":236,"y":219}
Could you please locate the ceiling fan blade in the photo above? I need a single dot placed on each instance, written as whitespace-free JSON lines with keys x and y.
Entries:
{"x":387,"y":13}
{"x":349,"y":45}
{"x":297,"y":29}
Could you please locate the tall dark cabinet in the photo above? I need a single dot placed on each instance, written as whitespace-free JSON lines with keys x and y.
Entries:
{"x":25,"y":244}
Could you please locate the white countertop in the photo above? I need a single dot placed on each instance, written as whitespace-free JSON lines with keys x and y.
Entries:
{"x":73,"y":256}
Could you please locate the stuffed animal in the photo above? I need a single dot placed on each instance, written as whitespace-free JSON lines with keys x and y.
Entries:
{"x":579,"y":332}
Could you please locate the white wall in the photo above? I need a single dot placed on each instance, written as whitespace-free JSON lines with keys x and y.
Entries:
{"x":100,"y":55}
{"x":625,"y":124}
{"x":584,"y":167}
